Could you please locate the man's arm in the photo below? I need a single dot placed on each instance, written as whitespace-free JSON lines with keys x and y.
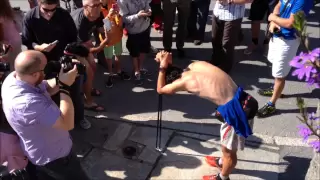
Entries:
{"x":288,"y":22}
{"x":49,"y":114}
{"x":66,"y":120}
{"x":28,"y":38}
{"x":162,"y":88}
{"x":52,"y":86}
{"x":276,"y":9}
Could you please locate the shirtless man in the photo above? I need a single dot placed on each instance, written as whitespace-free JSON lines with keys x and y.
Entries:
{"x":236,"y":109}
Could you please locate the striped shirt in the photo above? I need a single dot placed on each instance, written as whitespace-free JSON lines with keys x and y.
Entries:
{"x":228,"y":12}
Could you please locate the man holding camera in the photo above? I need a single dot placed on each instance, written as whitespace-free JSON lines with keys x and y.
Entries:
{"x":236,"y":108}
{"x":41,"y":125}
{"x":48,"y":28}
{"x":283,"y":47}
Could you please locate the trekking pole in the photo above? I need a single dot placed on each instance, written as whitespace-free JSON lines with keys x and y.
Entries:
{"x":159,"y":124}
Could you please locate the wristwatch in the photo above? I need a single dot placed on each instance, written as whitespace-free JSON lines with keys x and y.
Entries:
{"x":162,"y":69}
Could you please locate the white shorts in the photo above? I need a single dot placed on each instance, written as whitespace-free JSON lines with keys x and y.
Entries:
{"x":280,"y":53}
{"x":230,"y":139}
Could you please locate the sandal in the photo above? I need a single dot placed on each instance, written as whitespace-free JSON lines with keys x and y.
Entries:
{"x":95,"y":92}
{"x":94,"y":107}
{"x":213,"y":161}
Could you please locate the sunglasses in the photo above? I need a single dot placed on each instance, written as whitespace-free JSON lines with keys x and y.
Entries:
{"x":49,"y":10}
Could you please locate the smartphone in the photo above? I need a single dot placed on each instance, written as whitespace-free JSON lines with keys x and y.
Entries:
{"x":107,"y":24}
{"x":54,"y":42}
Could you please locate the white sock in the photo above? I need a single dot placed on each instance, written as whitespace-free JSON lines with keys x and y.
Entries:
{"x":220,"y":161}
{"x":223,"y":177}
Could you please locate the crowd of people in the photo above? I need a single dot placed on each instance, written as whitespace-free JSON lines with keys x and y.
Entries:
{"x":39,"y":111}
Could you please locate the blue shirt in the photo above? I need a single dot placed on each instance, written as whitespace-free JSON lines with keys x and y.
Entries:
{"x":31,"y":113}
{"x":293,"y":7}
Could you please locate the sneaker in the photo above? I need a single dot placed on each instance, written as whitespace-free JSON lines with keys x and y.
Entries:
{"x":109,"y":82}
{"x":213,"y":177}
{"x":267,"y":92}
{"x":145,"y":72}
{"x":138,"y":80}
{"x":213,"y":161}
{"x":124,"y":76}
{"x":85,"y":124}
{"x":266,"y":110}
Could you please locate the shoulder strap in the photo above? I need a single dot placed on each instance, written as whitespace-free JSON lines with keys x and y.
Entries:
{"x":284,"y":8}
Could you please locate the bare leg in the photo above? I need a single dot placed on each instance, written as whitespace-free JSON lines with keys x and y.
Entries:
{"x":117,"y":64}
{"x":277,"y":89}
{"x":229,"y":161}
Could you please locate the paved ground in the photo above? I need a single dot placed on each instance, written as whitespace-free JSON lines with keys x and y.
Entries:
{"x":274,"y":152}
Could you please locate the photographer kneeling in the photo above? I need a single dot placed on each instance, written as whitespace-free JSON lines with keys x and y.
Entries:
{"x":41,"y":125}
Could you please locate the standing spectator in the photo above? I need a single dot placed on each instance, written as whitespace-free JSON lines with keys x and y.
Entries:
{"x":114,"y":47}
{"x":88,"y":19}
{"x":157,"y":15}
{"x":169,"y":10}
{"x":77,"y":4}
{"x":258,"y":10}
{"x":136,"y":15}
{"x":42,"y":26}
{"x":199,"y":11}
{"x":226,"y":27}
{"x":33,"y":3}
{"x":282,"y":48}
{"x":9,"y":33}
{"x":41,"y":125}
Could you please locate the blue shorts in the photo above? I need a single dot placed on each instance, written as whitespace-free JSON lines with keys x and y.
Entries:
{"x":238,"y":111}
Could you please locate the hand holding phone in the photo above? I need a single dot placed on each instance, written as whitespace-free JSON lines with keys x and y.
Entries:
{"x":107,"y":24}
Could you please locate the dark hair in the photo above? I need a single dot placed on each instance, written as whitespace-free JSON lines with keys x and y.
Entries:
{"x":50,"y":1}
{"x":173,"y":73}
{"x":6,"y":10}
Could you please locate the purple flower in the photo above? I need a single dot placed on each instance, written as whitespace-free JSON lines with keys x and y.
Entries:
{"x":305,"y":132}
{"x":316,"y":145}
{"x":315,"y":53}
{"x":313,"y":116}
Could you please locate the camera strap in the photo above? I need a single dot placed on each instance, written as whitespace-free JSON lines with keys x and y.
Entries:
{"x":159,"y":124}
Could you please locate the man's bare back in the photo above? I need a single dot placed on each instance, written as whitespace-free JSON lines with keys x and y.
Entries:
{"x":209,"y":82}
{"x":201,"y":78}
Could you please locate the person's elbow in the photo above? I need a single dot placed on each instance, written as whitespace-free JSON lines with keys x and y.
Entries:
{"x":63,"y":124}
{"x":164,"y":91}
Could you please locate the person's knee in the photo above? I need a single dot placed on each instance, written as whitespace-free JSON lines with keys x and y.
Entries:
{"x":230,"y":155}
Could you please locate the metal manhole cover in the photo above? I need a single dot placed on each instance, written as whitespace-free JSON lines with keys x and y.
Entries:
{"x":129,"y":151}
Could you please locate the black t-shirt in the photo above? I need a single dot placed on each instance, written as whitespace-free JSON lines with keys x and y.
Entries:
{"x":84,"y":26}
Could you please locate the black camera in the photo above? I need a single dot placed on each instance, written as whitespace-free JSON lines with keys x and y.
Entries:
{"x":4,"y":67}
{"x":173,"y":73}
{"x":71,"y":51}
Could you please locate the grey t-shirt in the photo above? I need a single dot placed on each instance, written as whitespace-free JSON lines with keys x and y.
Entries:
{"x":84,"y":26}
{"x":129,"y":10}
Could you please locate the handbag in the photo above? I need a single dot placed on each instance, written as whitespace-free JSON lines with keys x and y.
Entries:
{"x":268,"y":33}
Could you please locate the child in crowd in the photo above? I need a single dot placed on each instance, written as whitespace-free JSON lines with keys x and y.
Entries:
{"x":110,"y":11}
{"x":136,"y":15}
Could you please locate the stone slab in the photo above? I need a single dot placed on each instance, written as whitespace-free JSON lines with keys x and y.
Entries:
{"x":184,"y":159}
{"x":103,"y":165}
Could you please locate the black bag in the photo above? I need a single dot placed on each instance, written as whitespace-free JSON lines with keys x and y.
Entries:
{"x":268,"y":33}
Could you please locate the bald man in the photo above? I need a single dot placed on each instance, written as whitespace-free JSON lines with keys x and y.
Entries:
{"x":236,"y":109}
{"x":42,"y":126}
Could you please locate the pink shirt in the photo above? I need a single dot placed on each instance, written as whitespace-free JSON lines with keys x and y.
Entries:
{"x":11,"y":34}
